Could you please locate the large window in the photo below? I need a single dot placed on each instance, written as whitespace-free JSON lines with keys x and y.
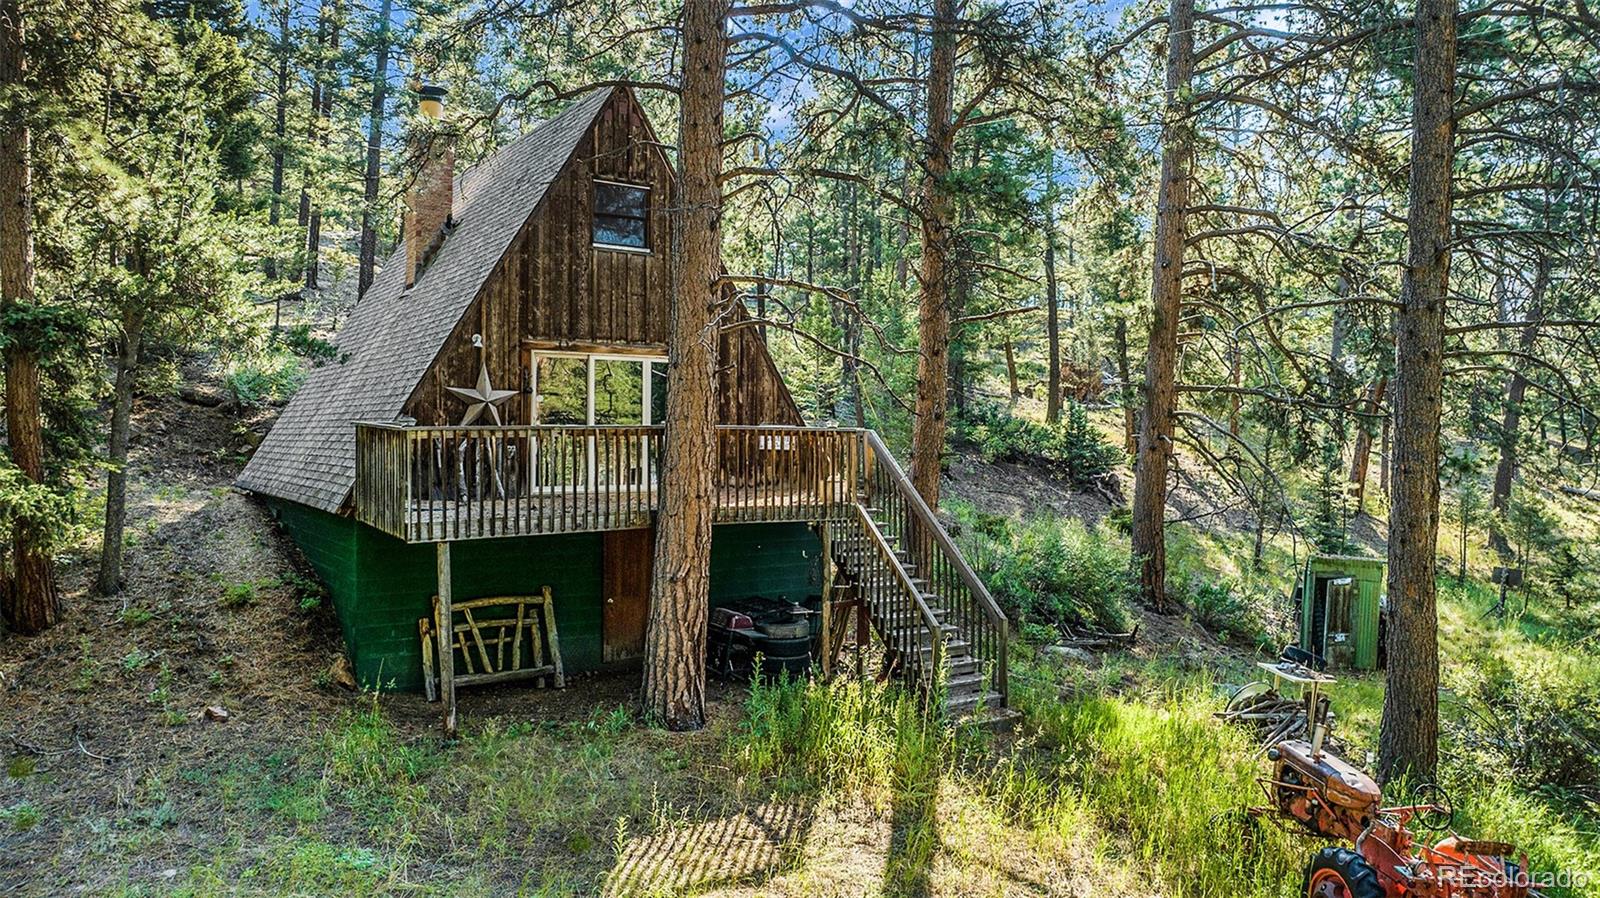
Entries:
{"x":621,"y":216}
{"x":601,"y":390}
{"x":598,"y":389}
{"x":562,"y":391}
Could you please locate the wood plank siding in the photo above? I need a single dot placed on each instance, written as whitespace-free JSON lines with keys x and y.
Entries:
{"x":554,"y":288}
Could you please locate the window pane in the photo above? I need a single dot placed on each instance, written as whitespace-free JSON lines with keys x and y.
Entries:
{"x":615,"y":231}
{"x":658,"y":392}
{"x":563,"y":396}
{"x":619,"y":200}
{"x":618,"y":392}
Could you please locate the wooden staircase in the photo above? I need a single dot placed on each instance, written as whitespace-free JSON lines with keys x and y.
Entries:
{"x":942,"y":632}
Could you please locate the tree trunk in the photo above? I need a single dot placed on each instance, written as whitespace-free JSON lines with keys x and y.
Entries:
{"x":29,"y":602}
{"x":1125,"y":374}
{"x":109,"y":580}
{"x":1011,"y":370}
{"x":1408,"y":741}
{"x":280,"y":136}
{"x":1386,"y":454}
{"x":1052,"y":312}
{"x":369,"y":196}
{"x":1361,"y":456}
{"x":1505,"y":471}
{"x":675,"y":643}
{"x":845,"y":317}
{"x":304,"y":217}
{"x":1236,"y":378}
{"x":321,"y":126}
{"x":933,"y":306}
{"x":1166,"y":292}
{"x":1260,"y":498}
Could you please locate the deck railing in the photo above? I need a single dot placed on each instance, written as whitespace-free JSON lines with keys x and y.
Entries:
{"x":935,"y":559}
{"x":431,"y":484}
{"x":908,"y":624}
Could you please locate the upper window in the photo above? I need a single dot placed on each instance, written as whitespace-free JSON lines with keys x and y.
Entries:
{"x":621,"y":215}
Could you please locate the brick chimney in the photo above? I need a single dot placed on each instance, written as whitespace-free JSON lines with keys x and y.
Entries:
{"x":427,"y":217}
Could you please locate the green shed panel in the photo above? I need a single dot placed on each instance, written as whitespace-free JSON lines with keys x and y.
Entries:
{"x":1368,"y":579}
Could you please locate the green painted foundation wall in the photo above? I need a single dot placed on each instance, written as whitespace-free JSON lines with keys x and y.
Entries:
{"x":380,"y":586}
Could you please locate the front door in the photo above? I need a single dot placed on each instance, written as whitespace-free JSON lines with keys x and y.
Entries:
{"x":627,"y":557}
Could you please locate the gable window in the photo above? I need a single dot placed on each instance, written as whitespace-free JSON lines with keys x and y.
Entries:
{"x":621,"y":216}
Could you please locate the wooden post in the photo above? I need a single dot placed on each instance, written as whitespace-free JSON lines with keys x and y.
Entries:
{"x":446,"y":629}
{"x":555,"y":641}
{"x":827,"y":601}
{"x":863,"y":633}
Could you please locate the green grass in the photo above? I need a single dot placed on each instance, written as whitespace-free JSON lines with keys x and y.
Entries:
{"x":1157,"y":773}
{"x":21,"y":816}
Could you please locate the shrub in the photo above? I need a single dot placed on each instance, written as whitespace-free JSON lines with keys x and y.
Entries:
{"x":1535,"y":716}
{"x":299,"y":340}
{"x":1071,"y":450}
{"x":1226,"y":612}
{"x":1050,"y":572}
{"x":271,"y":378}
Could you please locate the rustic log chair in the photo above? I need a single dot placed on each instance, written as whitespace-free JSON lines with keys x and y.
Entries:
{"x":515,"y":640}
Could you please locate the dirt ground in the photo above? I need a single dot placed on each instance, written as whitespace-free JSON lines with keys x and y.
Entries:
{"x":1017,"y":490}
{"x":218,"y":612}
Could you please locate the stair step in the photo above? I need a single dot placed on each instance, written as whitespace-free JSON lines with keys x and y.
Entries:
{"x":960,"y":705}
{"x":964,"y":684}
{"x":953,"y":649}
{"x":863,"y":539}
{"x":961,"y":667}
{"x":993,"y":718}
{"x":917,"y":628}
{"x":894,"y":620}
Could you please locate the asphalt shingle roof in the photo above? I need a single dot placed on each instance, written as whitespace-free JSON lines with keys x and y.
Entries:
{"x":395,"y":333}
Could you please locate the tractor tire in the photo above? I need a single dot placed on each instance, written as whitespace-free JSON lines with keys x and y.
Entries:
{"x":1341,"y":873}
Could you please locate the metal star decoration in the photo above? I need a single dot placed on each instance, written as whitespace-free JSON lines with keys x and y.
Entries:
{"x":484,"y":397}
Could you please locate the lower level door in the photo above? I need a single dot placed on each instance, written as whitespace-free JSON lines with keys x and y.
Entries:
{"x":626,"y":590}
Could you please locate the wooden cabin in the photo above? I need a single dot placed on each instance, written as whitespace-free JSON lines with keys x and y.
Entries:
{"x":490,"y":434}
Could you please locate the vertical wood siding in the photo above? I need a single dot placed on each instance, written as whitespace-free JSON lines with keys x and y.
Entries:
{"x":553,"y":285}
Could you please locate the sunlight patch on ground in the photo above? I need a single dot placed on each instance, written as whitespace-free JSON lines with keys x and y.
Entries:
{"x":841,"y":855}
{"x":984,"y":854}
{"x":692,"y":856}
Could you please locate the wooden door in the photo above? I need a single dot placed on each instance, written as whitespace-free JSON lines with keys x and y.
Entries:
{"x":627,"y":557}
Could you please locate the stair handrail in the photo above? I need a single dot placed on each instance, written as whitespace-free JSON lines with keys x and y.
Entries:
{"x":969,"y":577}
{"x":929,"y":622}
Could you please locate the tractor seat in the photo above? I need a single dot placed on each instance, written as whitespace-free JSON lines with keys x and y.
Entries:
{"x":1297,"y":655}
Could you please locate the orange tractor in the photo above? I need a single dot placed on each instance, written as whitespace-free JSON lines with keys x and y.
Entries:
{"x":1331,"y":798}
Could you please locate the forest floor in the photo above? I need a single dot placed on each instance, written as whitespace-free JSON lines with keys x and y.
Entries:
{"x":117,"y":781}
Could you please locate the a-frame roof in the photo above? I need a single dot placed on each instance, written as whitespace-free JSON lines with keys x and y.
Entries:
{"x":395,"y":333}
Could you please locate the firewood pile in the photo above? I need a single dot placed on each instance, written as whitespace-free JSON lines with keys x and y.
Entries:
{"x":1272,"y":717}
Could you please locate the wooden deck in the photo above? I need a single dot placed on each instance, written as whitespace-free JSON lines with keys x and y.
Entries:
{"x":435,"y":484}
{"x":889,"y":551}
